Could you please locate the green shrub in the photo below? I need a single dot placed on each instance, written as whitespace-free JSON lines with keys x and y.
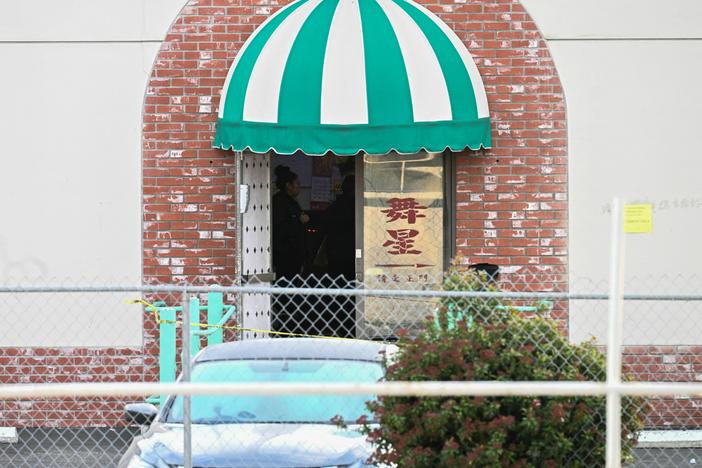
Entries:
{"x":478,"y":341}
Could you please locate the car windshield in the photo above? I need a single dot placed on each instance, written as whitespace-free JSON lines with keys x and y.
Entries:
{"x":209,"y":409}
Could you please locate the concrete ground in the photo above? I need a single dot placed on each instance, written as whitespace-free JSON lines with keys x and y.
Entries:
{"x":103,"y":447}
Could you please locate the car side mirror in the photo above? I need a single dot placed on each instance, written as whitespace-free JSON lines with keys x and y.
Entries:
{"x":140,"y":413}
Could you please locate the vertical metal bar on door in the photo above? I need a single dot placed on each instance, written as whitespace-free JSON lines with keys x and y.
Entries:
{"x":185,"y":377}
{"x":239,"y":157}
{"x":614,"y":337}
{"x":359,"y":256}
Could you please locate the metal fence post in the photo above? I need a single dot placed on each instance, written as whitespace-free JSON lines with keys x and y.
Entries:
{"x":215,"y":311}
{"x":194,"y":329}
{"x":167,"y":347}
{"x":187,"y":422}
{"x":614,"y":337}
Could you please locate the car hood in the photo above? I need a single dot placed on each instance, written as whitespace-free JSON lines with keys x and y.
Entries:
{"x":260,"y":445}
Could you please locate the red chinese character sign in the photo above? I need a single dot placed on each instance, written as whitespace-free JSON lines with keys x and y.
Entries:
{"x":404,"y":208}
{"x":403,"y":220}
{"x":403,"y":236}
{"x":402,"y":242}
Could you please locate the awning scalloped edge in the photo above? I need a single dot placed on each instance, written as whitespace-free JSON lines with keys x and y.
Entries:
{"x":349,"y":140}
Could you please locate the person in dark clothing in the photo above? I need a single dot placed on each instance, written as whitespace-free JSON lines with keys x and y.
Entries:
{"x":289,"y":248}
{"x":339,"y":225}
{"x":289,"y":251}
{"x":340,"y":228}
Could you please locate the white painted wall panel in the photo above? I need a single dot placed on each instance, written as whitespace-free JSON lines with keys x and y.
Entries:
{"x":573,"y":19}
{"x":71,"y":179}
{"x":632,"y":127}
{"x":87,"y":20}
{"x":633,"y":116}
{"x":645,"y":322}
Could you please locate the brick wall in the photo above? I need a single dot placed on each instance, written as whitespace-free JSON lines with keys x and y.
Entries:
{"x":668,"y":364}
{"x":70,"y":365}
{"x":511,"y":200}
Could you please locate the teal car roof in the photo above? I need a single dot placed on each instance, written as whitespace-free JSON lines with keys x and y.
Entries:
{"x":295,"y":348}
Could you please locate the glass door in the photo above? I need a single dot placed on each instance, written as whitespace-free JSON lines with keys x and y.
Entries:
{"x":402,"y":236}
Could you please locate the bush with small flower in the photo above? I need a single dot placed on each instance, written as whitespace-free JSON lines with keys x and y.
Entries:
{"x":475,"y":340}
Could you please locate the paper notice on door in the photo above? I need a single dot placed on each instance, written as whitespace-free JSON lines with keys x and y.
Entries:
{"x":638,"y":218}
{"x":321,"y":189}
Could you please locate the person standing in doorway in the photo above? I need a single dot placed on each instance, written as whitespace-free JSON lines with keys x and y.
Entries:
{"x":289,"y":247}
{"x":289,"y":251}
{"x":340,"y":228}
{"x":339,"y":225}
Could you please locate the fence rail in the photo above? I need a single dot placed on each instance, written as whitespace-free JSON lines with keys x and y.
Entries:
{"x":421,"y":389}
{"x":360,"y":291}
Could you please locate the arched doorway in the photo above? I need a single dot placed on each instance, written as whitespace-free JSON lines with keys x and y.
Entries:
{"x":509,"y":202}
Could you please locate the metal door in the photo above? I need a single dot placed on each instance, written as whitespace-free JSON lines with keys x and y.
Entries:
{"x":255,"y":246}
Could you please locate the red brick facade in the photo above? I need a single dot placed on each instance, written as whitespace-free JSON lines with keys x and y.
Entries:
{"x":511,"y":200}
{"x":70,"y":365}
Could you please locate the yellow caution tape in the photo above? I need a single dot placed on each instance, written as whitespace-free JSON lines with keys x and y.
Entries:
{"x":158,"y":320}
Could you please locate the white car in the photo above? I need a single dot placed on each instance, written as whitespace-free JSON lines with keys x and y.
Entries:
{"x":293,"y":431}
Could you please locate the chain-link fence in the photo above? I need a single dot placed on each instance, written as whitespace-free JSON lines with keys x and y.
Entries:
{"x":467,"y":325}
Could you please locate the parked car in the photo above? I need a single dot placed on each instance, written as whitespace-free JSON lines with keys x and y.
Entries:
{"x":292,"y":431}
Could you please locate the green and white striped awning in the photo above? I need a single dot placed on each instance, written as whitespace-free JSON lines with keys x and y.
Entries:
{"x":353,"y":75}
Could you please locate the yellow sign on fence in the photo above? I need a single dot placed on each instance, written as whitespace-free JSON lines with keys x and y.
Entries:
{"x":638,"y":218}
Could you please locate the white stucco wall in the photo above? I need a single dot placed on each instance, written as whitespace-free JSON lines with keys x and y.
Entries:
{"x":630,"y":71}
{"x":72,"y":87}
{"x":620,"y":19}
{"x":87,"y":20}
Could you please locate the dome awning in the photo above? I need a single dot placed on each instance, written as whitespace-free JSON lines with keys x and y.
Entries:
{"x":351,"y":76}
